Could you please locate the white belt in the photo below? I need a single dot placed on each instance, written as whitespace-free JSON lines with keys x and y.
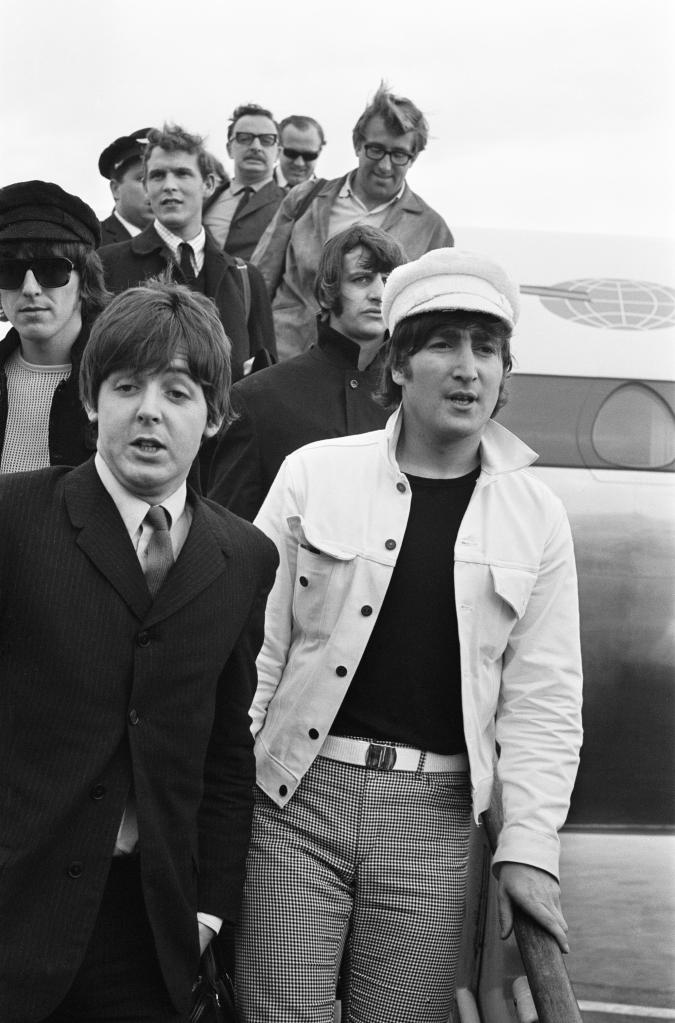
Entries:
{"x":387,"y":757}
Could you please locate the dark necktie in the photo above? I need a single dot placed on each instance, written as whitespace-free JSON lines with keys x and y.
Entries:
{"x":246,"y":194}
{"x":159,"y":554}
{"x":186,"y":263}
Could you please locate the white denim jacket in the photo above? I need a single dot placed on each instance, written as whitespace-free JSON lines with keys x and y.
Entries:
{"x":337,"y":512}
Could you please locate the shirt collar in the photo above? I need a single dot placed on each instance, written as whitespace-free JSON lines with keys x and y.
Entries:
{"x":237,"y":187}
{"x":172,"y":241}
{"x":131,"y":508}
{"x":131,"y":228}
{"x":347,"y":192}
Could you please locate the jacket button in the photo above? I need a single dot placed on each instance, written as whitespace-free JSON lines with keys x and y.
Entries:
{"x":341,"y":670}
{"x":353,"y":384}
{"x":313,"y":734}
{"x":75,"y":869}
{"x":401,"y":488}
{"x":143,"y":639}
{"x":390,"y":544}
{"x":366,"y":610}
{"x":98,"y":792}
{"x":133,"y":717}
{"x":304,"y":581}
{"x":282,"y":790}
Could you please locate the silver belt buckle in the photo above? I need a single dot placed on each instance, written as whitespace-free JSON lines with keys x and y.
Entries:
{"x":380,"y":758}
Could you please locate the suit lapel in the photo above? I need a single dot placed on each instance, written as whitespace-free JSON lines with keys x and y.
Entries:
{"x":263,"y":197}
{"x":103,"y":537}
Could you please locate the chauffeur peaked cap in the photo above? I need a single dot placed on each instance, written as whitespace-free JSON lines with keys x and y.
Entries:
{"x":43,"y":211}
{"x":449,"y":279}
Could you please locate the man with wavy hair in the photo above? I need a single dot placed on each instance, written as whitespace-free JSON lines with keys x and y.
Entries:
{"x":388,"y":137}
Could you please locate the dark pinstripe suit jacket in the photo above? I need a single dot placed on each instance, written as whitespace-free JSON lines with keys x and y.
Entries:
{"x":101,"y":688}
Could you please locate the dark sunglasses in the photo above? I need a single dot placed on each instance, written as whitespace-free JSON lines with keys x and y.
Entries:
{"x":293,"y":154}
{"x":245,"y":138}
{"x":49,"y":272}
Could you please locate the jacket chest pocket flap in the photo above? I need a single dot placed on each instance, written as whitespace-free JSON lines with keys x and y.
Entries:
{"x":323,"y":570}
{"x":514,"y":586}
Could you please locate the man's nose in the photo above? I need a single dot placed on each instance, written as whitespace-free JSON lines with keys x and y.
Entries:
{"x":376,"y":288}
{"x":149,"y":405}
{"x":255,"y":143}
{"x":465,"y":363}
{"x":385,"y":162}
{"x":30,"y":285}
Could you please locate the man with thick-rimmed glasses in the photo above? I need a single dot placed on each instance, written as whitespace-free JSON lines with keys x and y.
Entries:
{"x":239,"y":217}
{"x":388,"y":137}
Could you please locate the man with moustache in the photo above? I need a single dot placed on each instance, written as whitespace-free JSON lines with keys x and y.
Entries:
{"x":122,"y":164}
{"x":246,"y":207}
{"x":178,"y":179}
{"x":388,"y":137}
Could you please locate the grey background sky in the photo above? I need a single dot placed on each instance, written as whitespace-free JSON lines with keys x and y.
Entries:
{"x":545,"y":114}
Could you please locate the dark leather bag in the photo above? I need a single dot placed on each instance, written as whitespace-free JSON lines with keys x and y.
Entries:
{"x":212,"y":993}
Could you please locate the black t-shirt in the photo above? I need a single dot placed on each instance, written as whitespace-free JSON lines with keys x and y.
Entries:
{"x":407,"y":687}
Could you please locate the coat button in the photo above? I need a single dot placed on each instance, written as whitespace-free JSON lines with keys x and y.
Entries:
{"x":341,"y":670}
{"x":401,"y":488}
{"x":98,"y":792}
{"x":353,"y":384}
{"x":143,"y":639}
{"x":366,"y":610}
{"x":75,"y":869}
{"x":304,"y":581}
{"x":390,"y":544}
{"x":313,"y":734}
{"x":133,"y":717}
{"x":282,"y":790}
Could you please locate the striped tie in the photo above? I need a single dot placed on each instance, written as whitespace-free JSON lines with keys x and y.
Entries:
{"x":159,"y":553}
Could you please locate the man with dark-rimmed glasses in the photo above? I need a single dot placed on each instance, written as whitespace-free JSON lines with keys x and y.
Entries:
{"x":388,"y":137}
{"x":239,"y":217}
{"x":51,"y":289}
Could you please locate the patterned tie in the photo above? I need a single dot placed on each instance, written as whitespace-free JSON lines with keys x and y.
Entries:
{"x":186,"y":263}
{"x":159,"y":553}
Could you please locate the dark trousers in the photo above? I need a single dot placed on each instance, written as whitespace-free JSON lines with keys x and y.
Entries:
{"x":120,"y":979}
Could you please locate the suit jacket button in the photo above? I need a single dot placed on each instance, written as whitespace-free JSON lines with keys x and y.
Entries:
{"x":354,"y":384}
{"x":75,"y":869}
{"x":143,"y":639}
{"x":133,"y":717}
{"x":98,"y":792}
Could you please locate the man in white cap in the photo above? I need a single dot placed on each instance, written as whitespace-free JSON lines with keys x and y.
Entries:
{"x":391,"y":670}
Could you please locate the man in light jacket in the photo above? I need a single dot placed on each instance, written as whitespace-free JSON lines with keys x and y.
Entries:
{"x":424,"y":614}
{"x":388,"y":137}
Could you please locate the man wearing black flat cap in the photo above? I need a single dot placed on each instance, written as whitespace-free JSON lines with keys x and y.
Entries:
{"x":122,"y":164}
{"x":51,"y":290}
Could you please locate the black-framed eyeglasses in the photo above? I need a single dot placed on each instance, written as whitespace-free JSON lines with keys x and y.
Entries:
{"x":374,"y":151}
{"x":49,"y":272}
{"x":293,"y":154}
{"x":245,"y":138}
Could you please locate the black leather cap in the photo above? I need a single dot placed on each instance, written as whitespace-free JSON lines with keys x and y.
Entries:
{"x":41,"y":210}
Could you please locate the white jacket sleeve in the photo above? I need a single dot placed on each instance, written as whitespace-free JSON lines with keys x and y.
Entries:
{"x":538,"y":724}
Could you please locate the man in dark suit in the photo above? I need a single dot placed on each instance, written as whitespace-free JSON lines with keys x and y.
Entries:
{"x":237,"y":220}
{"x":325,"y":392}
{"x":122,"y":164}
{"x":178,"y":179}
{"x":131,"y":612}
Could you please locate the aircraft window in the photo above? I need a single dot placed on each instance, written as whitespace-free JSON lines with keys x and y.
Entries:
{"x":635,"y":429}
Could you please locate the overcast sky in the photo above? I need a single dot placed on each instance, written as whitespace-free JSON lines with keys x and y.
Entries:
{"x":544,"y":114}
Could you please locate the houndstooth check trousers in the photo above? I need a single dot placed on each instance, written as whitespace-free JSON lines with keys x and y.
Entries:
{"x":364,"y":861}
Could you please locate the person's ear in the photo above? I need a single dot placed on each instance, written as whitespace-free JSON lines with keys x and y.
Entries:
{"x":92,"y":414}
{"x":212,"y":427}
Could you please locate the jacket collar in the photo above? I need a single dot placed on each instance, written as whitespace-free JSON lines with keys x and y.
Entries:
{"x":11,"y":341}
{"x":500,"y":450}
{"x":103,"y":538}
